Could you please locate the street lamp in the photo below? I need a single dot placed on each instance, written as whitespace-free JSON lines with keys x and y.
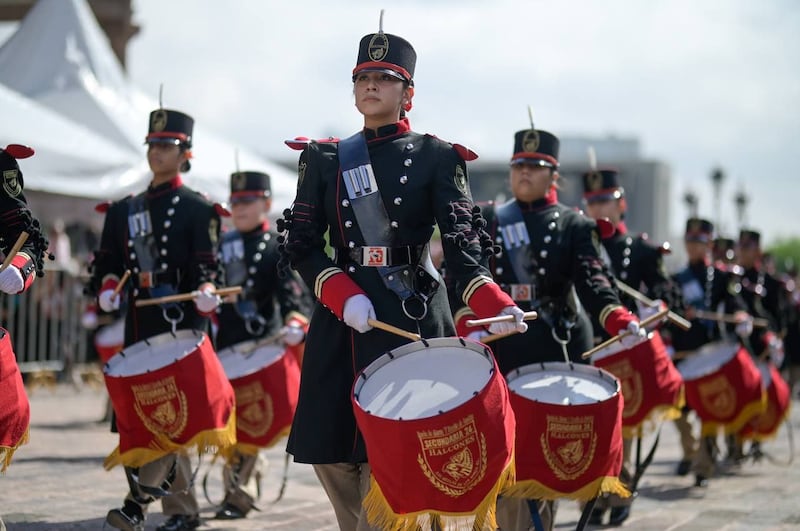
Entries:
{"x":690,"y":198}
{"x":717,"y":176}
{"x":741,"y":199}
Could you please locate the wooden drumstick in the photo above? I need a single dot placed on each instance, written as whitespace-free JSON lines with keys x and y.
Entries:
{"x":642,"y":324}
{"x":758,"y":322}
{"x":393,"y":329}
{"x":23,"y":237}
{"x":495,"y":337}
{"x":528,"y":316}
{"x":644,"y":299}
{"x":120,"y":285}
{"x":181,"y":297}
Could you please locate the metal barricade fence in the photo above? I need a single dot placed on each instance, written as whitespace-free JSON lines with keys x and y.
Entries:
{"x":45,"y":323}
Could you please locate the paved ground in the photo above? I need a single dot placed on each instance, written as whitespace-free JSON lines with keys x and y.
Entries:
{"x":57,"y":482}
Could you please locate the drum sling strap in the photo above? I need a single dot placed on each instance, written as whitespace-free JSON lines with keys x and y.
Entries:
{"x":235,"y":262}
{"x":375,"y":226}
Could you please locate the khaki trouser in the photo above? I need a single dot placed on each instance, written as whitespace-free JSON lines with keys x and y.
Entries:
{"x":689,"y":442}
{"x":346,"y":484}
{"x":793,"y":378}
{"x":181,"y":499}
{"x":514,"y":514}
{"x":240,"y":477}
{"x":703,"y":463}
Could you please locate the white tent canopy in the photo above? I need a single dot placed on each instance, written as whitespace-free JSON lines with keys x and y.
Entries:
{"x":59,"y":66}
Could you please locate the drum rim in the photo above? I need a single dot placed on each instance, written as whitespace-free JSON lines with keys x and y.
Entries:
{"x":682,"y":367}
{"x":596,"y":356}
{"x":157,"y":339}
{"x":403,"y":350}
{"x":580,"y":367}
{"x":232,"y":351}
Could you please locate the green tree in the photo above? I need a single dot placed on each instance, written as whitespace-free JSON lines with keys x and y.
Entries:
{"x":786,"y":253}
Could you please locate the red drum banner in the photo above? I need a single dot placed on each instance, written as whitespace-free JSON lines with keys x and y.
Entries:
{"x":15,"y":411}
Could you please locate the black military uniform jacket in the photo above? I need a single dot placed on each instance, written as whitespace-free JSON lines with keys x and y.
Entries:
{"x":764,"y":296}
{"x":269,"y":296}
{"x":15,"y":217}
{"x":185,"y":230}
{"x":563,"y":262}
{"x":422,"y":181}
{"x":705,"y":287}
{"x":637,"y":262}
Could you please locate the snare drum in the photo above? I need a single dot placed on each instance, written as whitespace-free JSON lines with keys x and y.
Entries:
{"x":569,"y":431}
{"x":779,"y":398}
{"x":723,"y":386}
{"x":110,"y":339}
{"x":652,"y":388}
{"x":439,"y":434}
{"x":15,"y":411}
{"x":266,"y":381}
{"x":169,"y":392}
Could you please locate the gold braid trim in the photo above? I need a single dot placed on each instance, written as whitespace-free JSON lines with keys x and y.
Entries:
{"x":7,"y":452}
{"x":756,"y":407}
{"x":533,"y":490}
{"x":324,"y":275}
{"x":464,"y":311}
{"x":656,"y":415}
{"x":473,"y":286}
{"x":605,"y":311}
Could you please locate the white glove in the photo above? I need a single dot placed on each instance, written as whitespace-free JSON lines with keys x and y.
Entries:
{"x":744,"y":328}
{"x":506,"y":327}
{"x":11,"y":280}
{"x":646,"y":311}
{"x":477,"y":335}
{"x":357,"y":311}
{"x":776,"y":353}
{"x":108,"y":301}
{"x":292,"y":335}
{"x":206,"y":301}
{"x":637,"y":335}
{"x":89,"y":320}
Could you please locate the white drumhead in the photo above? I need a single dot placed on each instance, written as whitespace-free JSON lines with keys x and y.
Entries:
{"x":617,"y":346}
{"x":707,"y":359}
{"x":246,"y":358}
{"x":154,"y":353}
{"x":415,"y":381}
{"x":562,"y":383}
{"x":111,"y":335}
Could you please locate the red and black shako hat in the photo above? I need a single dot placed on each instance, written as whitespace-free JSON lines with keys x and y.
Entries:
{"x":249,"y":185}
{"x":170,"y":126}
{"x":698,"y":230}
{"x":384,"y":52}
{"x":602,"y":185}
{"x":534,"y":146}
{"x":9,"y":168}
{"x":749,"y":238}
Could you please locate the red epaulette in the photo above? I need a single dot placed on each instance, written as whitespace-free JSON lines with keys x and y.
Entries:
{"x":102,"y":208}
{"x":221,"y":210}
{"x":463,"y":151}
{"x":605,"y":228}
{"x":299,"y":143}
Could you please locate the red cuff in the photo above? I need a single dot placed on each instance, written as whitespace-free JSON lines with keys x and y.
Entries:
{"x":110,"y":283}
{"x":618,"y":319}
{"x":297,"y":319}
{"x":768,"y":337}
{"x":26,"y":268}
{"x":488,"y":300}
{"x":461,"y":318}
{"x":336,"y":290}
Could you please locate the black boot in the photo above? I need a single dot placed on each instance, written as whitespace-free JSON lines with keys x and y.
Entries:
{"x":180,"y":522}
{"x":229,"y":512}
{"x":129,"y":518}
{"x":683,"y":467}
{"x":700,"y":481}
{"x":596,"y":517}
{"x":619,"y":515}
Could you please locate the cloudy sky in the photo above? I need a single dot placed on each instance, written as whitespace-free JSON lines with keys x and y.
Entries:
{"x":700,"y":83}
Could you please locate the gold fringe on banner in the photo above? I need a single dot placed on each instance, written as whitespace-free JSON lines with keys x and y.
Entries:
{"x":207,"y":441}
{"x":7,"y":452}
{"x":761,"y":437}
{"x":658,"y":414}
{"x":252,"y":449}
{"x":533,"y":490}
{"x":482,"y":518}
{"x":710,"y":429}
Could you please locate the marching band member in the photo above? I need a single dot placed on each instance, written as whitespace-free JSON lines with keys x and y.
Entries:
{"x":704,"y":286}
{"x":380,"y":193}
{"x":636,"y":262}
{"x":274,"y":299}
{"x":167,"y":237}
{"x":549,"y":262}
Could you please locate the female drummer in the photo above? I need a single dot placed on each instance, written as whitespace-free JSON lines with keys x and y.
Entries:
{"x":379,"y":193}
{"x":549,"y":261}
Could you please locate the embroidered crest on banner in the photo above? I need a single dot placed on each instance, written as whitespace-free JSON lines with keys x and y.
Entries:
{"x":631,"y":384}
{"x":378,"y":47}
{"x":162,"y":407}
{"x":569,"y":445}
{"x":530,"y":141}
{"x":11,"y":183}
{"x":718,"y":396}
{"x":159,"y":120}
{"x":453,"y":458}
{"x":254,"y":410}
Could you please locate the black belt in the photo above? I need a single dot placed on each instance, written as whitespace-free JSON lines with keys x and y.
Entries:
{"x":377,"y":256}
{"x":148,"y":279}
